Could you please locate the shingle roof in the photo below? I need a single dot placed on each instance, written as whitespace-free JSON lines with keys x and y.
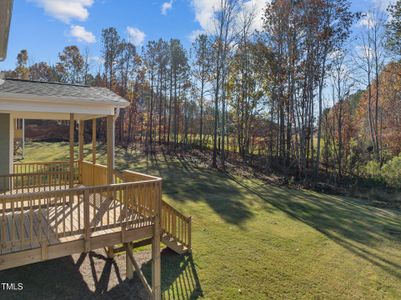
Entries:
{"x":60,"y":92}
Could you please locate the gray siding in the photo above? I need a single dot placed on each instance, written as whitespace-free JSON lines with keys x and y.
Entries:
{"x":4,"y":147}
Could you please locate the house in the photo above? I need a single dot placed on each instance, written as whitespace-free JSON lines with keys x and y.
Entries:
{"x":6,"y":9}
{"x":55,"y":209}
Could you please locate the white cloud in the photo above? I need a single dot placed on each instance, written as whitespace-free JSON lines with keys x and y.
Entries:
{"x":166,"y":6}
{"x":364,"y":51}
{"x":368,"y":20}
{"x":382,"y":4}
{"x":194,"y":34}
{"x":135,"y":36}
{"x":256,"y":8}
{"x":205,"y":12}
{"x":96,"y":59}
{"x":82,"y":35}
{"x":66,"y":10}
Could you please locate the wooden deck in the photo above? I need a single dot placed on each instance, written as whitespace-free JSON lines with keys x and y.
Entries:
{"x":63,"y":221}
{"x":50,"y":210}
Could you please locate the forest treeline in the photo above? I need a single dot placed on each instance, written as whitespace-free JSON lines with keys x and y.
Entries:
{"x":306,"y":93}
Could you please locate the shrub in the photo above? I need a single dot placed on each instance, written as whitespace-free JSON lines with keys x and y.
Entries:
{"x":391,"y":172}
{"x":373,"y":171}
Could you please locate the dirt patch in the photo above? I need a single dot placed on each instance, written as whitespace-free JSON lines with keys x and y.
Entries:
{"x":80,"y":276}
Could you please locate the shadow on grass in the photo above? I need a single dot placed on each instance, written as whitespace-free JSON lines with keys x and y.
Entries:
{"x":94,"y":276}
{"x":357,"y":227}
{"x":184,"y":180}
{"x":179,"y":276}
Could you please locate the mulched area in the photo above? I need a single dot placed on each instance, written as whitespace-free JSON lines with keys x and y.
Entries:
{"x":80,"y":276}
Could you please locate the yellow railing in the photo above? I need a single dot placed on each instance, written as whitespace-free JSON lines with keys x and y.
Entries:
{"x":44,"y":167}
{"x":36,"y":186}
{"x":38,"y":176}
{"x":51,"y":215}
{"x":176,"y":225}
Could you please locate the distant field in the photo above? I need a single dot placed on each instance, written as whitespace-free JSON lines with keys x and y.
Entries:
{"x":253,"y":240}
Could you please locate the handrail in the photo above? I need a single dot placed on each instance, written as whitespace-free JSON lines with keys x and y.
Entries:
{"x":80,"y":210}
{"x":176,"y":225}
{"x":77,"y":189}
{"x":136,"y":186}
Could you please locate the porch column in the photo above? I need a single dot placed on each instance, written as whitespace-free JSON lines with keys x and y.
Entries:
{"x":23,"y":138}
{"x":11,"y":145}
{"x":72,"y":123}
{"x":6,"y":149}
{"x":110,"y":148}
{"x":81,"y":140}
{"x":110,"y":164}
{"x":94,"y":141}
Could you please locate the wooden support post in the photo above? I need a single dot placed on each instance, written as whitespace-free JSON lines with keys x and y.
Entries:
{"x":72,"y":172}
{"x":94,"y":141}
{"x":81,"y":140}
{"x":110,"y":162}
{"x":128,"y":263}
{"x":110,"y":148}
{"x":110,"y":251}
{"x":23,"y":138}
{"x":87,"y":230}
{"x":156,"y":269}
{"x":44,"y":250}
{"x":142,"y":277}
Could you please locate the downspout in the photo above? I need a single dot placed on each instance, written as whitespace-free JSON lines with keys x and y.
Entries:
{"x":116,"y":113}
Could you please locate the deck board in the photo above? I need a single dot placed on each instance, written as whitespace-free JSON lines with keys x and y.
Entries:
{"x":33,"y":223}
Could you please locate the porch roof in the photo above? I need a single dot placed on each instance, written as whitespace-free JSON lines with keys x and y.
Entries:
{"x":50,"y":100}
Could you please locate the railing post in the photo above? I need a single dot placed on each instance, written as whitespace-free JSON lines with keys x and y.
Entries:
{"x":72,"y":123}
{"x":156,"y":270}
{"x":190,"y":234}
{"x":81,"y":139}
{"x":94,"y":141}
{"x":87,"y":229}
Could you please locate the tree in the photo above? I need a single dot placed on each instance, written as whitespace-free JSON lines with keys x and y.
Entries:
{"x":178,"y":77}
{"x":201,"y":72}
{"x":71,"y":65}
{"x":342,"y":84}
{"x":111,"y":43}
{"x":22,"y":71}
{"x":42,"y":72}
{"x":127,"y":65}
{"x":370,"y":60}
{"x":393,"y":28}
{"x":222,"y":41}
{"x":150,"y":61}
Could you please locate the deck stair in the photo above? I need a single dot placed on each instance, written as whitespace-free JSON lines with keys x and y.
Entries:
{"x":176,"y":229}
{"x":173,"y":244}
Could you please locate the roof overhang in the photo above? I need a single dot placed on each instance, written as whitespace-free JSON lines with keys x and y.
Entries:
{"x":6,"y":7}
{"x":53,"y":99}
{"x":47,"y":109}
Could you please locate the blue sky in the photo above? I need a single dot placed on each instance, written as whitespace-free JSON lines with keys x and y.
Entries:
{"x":45,"y":27}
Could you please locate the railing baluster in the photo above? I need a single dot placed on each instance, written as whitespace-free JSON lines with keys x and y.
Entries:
{"x":87,"y":229}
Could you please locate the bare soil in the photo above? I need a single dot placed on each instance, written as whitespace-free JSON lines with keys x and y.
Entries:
{"x":80,"y":276}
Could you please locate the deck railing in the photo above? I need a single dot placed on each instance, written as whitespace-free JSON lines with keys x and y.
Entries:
{"x":39,"y":200}
{"x":43,"y":167}
{"x":42,"y":189}
{"x":176,"y":225}
{"x":38,"y":176}
{"x":29,"y":219}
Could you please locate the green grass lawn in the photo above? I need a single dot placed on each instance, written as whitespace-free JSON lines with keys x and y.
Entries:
{"x":253,"y":240}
